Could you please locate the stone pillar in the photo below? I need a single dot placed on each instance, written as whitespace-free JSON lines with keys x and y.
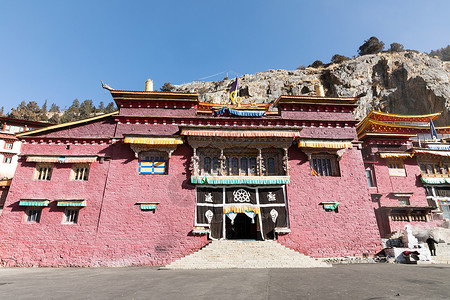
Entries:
{"x":260,"y":163}
{"x":195,"y":163}
{"x":222,"y":160}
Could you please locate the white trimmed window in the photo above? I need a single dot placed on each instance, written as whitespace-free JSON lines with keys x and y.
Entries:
{"x":33,"y":215}
{"x":8,"y":145}
{"x":70,"y":216}
{"x":7,"y":160}
{"x":43,"y":171}
{"x":396,"y":167}
{"x":80,"y":172}
{"x":324,"y":164}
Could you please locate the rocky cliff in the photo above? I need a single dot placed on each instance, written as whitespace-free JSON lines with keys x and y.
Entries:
{"x":405,"y":82}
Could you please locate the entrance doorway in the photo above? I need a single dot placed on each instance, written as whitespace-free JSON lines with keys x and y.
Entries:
{"x":243,"y":228}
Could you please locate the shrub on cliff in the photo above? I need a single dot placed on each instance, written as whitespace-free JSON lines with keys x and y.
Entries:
{"x":316,"y":64}
{"x":443,"y":53}
{"x":337,"y":58}
{"x":167,"y":87}
{"x":396,"y":47}
{"x":371,"y":46}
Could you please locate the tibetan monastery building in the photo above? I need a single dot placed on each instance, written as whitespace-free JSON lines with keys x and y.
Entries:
{"x":408,"y":172}
{"x":164,"y":175}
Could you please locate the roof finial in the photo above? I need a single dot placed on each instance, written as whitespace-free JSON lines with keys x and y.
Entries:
{"x":106,"y":87}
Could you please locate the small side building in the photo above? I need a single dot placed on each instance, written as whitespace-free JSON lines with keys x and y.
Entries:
{"x":390,"y":148}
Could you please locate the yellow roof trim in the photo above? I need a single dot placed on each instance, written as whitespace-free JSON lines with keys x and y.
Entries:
{"x":432,"y":116}
{"x":324,"y":144}
{"x":58,"y":126}
{"x":153,"y":140}
{"x":381,"y":123}
{"x":395,"y":155}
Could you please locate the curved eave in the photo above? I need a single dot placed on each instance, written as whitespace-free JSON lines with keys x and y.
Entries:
{"x":368,"y":123}
{"x":63,"y":125}
{"x":412,"y":117}
{"x":394,"y":117}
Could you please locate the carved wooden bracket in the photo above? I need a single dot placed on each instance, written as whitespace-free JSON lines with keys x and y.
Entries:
{"x":143,"y":148}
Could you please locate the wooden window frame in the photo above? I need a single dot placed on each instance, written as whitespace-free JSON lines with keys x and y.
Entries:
{"x":80,"y":172}
{"x":33,"y":215}
{"x":43,"y":171}
{"x":331,"y":164}
{"x":71,"y":216}
{"x":434,"y":168}
{"x":396,"y":167}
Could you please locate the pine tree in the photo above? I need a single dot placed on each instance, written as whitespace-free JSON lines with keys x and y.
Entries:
{"x":54,"y":108}
{"x":110,"y":108}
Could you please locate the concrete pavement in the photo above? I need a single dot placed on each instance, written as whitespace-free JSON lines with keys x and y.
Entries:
{"x":358,"y":281}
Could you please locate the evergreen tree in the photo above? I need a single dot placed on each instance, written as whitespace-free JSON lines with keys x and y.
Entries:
{"x":111,"y":107}
{"x":54,"y":108}
{"x":55,"y":119}
{"x":72,"y":113}
{"x":44,"y":107}
{"x":86,"y":109}
{"x":101,"y":107}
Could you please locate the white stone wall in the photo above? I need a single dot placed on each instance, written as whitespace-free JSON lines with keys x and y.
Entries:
{"x":7,"y":169}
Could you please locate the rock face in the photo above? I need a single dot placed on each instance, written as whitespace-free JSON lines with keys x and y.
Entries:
{"x":405,"y":83}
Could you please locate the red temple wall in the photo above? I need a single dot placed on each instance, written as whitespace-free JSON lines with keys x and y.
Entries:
{"x":350,"y":232}
{"x":159,"y":112}
{"x":97,"y":129}
{"x":112,"y":230}
{"x":315,"y":115}
{"x":388,"y":185}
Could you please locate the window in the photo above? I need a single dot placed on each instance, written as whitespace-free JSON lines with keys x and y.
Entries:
{"x":396,"y":168}
{"x":324,"y":165}
{"x":403,"y":200}
{"x":8,"y":145}
{"x":80,"y":172}
{"x":446,"y":209}
{"x":70,"y":216}
{"x":434,"y":169}
{"x":33,"y":215}
{"x":370,"y":175}
{"x":153,"y":163}
{"x":7,"y":160}
{"x":240,"y":162}
{"x":43,"y":172}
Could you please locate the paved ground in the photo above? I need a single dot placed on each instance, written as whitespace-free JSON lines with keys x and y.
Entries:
{"x":362,"y":281}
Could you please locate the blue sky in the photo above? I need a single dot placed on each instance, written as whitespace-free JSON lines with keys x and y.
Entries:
{"x":60,"y":50}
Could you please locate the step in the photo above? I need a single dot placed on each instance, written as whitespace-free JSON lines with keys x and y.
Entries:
{"x":245,"y":254}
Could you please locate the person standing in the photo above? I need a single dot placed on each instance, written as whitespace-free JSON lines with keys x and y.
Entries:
{"x":431,"y":246}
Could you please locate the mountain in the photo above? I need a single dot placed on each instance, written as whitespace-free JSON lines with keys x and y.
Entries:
{"x":406,"y":82}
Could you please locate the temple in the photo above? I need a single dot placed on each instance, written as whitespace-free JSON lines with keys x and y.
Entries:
{"x":406,"y":169}
{"x":166,"y":174}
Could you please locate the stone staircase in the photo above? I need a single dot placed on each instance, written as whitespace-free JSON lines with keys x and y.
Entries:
{"x":242,"y":254}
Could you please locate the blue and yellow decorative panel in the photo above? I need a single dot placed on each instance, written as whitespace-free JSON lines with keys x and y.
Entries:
{"x":152,"y":167}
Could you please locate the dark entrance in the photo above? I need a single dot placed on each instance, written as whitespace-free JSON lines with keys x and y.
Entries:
{"x":243,"y":228}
